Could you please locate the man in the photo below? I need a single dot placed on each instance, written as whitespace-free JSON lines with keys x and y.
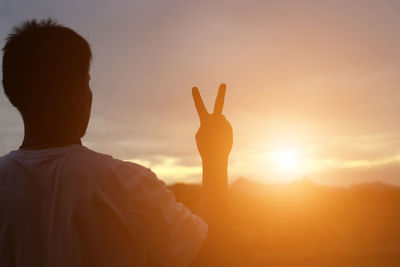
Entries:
{"x":62,"y":204}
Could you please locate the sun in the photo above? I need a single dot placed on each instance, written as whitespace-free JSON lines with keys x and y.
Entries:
{"x":286,"y":160}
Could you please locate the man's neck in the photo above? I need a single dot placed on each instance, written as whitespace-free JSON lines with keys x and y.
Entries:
{"x":34,"y":140}
{"x":44,"y":145}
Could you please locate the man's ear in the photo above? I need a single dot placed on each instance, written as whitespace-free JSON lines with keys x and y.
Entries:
{"x":80,"y":100}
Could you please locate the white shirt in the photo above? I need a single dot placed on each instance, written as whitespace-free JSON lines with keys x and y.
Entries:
{"x":71,"y":206}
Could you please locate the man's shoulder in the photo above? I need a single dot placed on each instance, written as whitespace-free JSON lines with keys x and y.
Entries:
{"x":115,"y":175}
{"x":117,"y":167}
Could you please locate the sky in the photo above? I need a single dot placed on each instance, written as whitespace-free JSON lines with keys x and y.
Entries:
{"x":313,"y":87}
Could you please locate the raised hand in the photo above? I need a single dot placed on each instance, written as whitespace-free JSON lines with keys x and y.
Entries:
{"x":214,"y":137}
{"x":214,"y":142}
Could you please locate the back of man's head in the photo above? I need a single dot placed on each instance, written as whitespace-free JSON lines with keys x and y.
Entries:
{"x":44,"y":63}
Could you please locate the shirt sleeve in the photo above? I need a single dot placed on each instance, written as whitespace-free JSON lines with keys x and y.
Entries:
{"x":170,"y":232}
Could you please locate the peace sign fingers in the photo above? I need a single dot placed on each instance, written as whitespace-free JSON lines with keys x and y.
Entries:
{"x":198,"y":102}
{"x":201,"y":109}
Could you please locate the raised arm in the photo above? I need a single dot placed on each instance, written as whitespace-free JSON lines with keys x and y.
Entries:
{"x":214,"y":143}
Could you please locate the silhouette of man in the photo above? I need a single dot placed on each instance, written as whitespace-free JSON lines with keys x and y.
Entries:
{"x":62,"y":204}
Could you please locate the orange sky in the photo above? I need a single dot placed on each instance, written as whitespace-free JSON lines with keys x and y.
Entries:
{"x":318,"y":80}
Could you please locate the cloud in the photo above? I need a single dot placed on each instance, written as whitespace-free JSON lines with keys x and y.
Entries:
{"x":169,"y":170}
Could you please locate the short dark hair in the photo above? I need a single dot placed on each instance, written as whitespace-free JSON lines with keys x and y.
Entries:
{"x":42,"y":62}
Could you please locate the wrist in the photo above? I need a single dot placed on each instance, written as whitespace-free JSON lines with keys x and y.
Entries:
{"x":215,"y":174}
{"x":214,"y":161}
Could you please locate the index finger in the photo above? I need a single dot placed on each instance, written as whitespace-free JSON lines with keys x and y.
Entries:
{"x":219,"y":101}
{"x":198,"y":102}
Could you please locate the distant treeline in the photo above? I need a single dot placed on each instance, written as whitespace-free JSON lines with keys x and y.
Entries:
{"x":305,"y":224}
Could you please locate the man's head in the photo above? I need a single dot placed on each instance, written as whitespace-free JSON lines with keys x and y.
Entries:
{"x":46,"y":76}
